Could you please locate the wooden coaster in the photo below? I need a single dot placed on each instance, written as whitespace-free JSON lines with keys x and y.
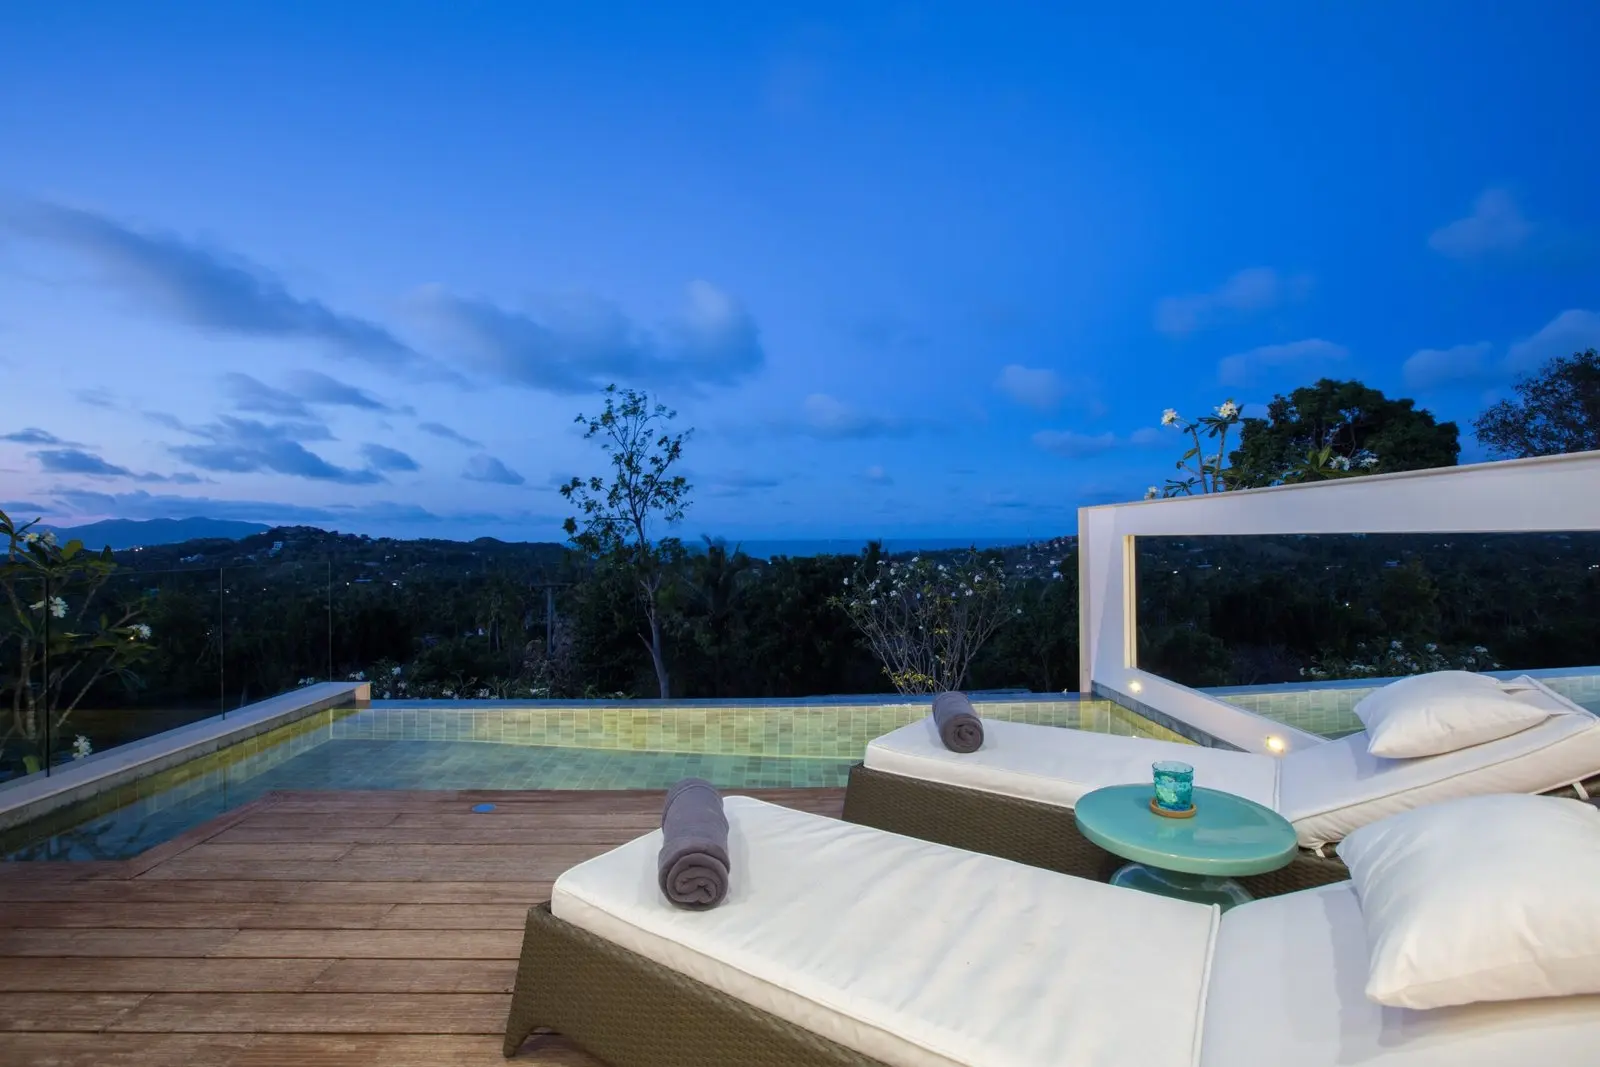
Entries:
{"x":1186,"y":813}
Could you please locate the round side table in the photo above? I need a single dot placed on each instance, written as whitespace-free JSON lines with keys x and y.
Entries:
{"x":1196,"y":858}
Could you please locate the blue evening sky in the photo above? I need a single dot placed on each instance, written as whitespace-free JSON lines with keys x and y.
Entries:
{"x":907,"y":269}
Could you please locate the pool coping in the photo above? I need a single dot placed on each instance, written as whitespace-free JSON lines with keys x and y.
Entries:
{"x":38,"y":794}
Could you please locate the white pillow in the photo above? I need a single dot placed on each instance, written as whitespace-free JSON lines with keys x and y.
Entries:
{"x":1441,"y":712}
{"x":1480,"y":898}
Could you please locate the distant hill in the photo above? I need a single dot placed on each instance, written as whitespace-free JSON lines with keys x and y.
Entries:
{"x":135,"y":533}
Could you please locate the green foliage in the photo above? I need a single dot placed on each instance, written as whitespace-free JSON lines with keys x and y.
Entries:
{"x":1557,"y":410}
{"x":57,"y":642}
{"x":1201,"y":467}
{"x":616,"y":518}
{"x":1338,"y":429}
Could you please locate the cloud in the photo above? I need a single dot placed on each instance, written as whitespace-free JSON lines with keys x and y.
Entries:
{"x":485,"y":468}
{"x":245,"y":446}
{"x":32,"y":435}
{"x":1574,"y":330}
{"x":140,"y":504}
{"x":580,"y":343}
{"x":383,"y":458}
{"x":1431,"y":368}
{"x":79,"y":461}
{"x":439,"y":429}
{"x":876,"y":475}
{"x":1495,"y":225}
{"x":210,"y":289}
{"x":728,"y":483}
{"x":1251,"y":290}
{"x":1040,"y":389}
{"x":307,"y":387}
{"x":826,"y":417}
{"x":76,"y":461}
{"x":96,"y":397}
{"x":1074,"y":445}
{"x":1303,"y":357}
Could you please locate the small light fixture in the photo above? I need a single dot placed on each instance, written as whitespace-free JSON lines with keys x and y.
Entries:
{"x":1135,"y":686}
{"x":1275,"y":744}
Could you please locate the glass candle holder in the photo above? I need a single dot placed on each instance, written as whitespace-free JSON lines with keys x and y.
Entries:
{"x":1174,"y":785}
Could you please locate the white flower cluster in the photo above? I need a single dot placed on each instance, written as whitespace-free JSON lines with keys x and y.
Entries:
{"x":81,"y":747}
{"x":58,"y":607}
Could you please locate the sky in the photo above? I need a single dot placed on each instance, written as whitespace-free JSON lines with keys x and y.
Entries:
{"x":904,"y":269}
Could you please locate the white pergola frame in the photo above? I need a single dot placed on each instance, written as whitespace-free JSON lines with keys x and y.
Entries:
{"x":1541,"y":495}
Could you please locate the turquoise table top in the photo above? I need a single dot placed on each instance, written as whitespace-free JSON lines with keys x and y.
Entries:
{"x":1227,"y":836}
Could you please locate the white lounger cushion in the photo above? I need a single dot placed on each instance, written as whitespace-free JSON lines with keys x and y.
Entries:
{"x":1428,"y":714}
{"x":916,"y":954}
{"x":1057,"y":766}
{"x":1287,"y":990}
{"x":1328,"y":791}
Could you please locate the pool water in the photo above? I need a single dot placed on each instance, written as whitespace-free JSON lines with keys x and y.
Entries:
{"x":460,"y":746}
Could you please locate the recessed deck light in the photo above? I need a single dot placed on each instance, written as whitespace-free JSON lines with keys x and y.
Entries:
{"x":1275,"y":744}
{"x":1135,"y":686}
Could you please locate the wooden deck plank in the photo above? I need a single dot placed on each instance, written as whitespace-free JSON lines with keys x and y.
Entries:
{"x":101,"y":975}
{"x":112,"y":943}
{"x":318,"y":1013}
{"x":112,"y":915}
{"x":404,"y":976}
{"x":403,"y":1050}
{"x":454,"y":917}
{"x":128,"y":1050}
{"x":66,"y":1012}
{"x":503,"y":944}
{"x":319,"y":930}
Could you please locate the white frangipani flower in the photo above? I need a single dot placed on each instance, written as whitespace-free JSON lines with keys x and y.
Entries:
{"x":1227,"y":410}
{"x":81,"y":747}
{"x":1169,"y":417}
{"x":141,"y":631}
{"x":1152,"y":493}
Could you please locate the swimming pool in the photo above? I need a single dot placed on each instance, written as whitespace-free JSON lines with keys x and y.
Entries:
{"x":482,"y":745}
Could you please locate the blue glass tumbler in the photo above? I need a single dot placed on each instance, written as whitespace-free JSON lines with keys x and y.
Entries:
{"x":1174,"y":785}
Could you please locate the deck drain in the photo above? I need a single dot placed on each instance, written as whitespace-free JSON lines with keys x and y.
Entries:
{"x":481,"y":808}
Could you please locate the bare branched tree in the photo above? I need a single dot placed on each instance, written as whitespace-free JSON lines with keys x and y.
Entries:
{"x":616,"y":518}
{"x":926,"y":621}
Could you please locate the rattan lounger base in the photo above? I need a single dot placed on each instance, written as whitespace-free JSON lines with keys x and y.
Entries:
{"x":1040,"y":835}
{"x":632,"y":1012}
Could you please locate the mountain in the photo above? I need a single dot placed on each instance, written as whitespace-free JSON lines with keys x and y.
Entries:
{"x":135,"y":533}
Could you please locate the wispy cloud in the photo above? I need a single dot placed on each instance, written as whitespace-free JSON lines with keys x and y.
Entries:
{"x":485,"y":468}
{"x":32,"y":435}
{"x":1496,"y":224}
{"x":732,"y":483}
{"x":209,"y":288}
{"x":1037,"y":388}
{"x":579,"y":343}
{"x":1252,"y":290}
{"x":69,"y":501}
{"x":1574,"y":330}
{"x":77,"y":461}
{"x":83,"y":462}
{"x":439,"y":429}
{"x":96,"y":397}
{"x":306,"y":388}
{"x":1430,"y":368}
{"x":384,"y":458}
{"x":876,"y":475}
{"x":1075,"y":445}
{"x":1310,"y":356}
{"x":246,"y":446}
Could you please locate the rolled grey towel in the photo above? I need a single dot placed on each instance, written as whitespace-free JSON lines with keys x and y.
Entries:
{"x":693,"y":865}
{"x":959,"y":726}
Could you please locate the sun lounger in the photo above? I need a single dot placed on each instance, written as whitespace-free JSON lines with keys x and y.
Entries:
{"x":843,"y":946}
{"x":1013,"y":797}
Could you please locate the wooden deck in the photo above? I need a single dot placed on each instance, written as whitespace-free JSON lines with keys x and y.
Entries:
{"x":307,"y":929}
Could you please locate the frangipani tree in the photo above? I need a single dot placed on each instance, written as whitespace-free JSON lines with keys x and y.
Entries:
{"x":924,"y":620}
{"x":56,"y":641}
{"x":1202,"y":469}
